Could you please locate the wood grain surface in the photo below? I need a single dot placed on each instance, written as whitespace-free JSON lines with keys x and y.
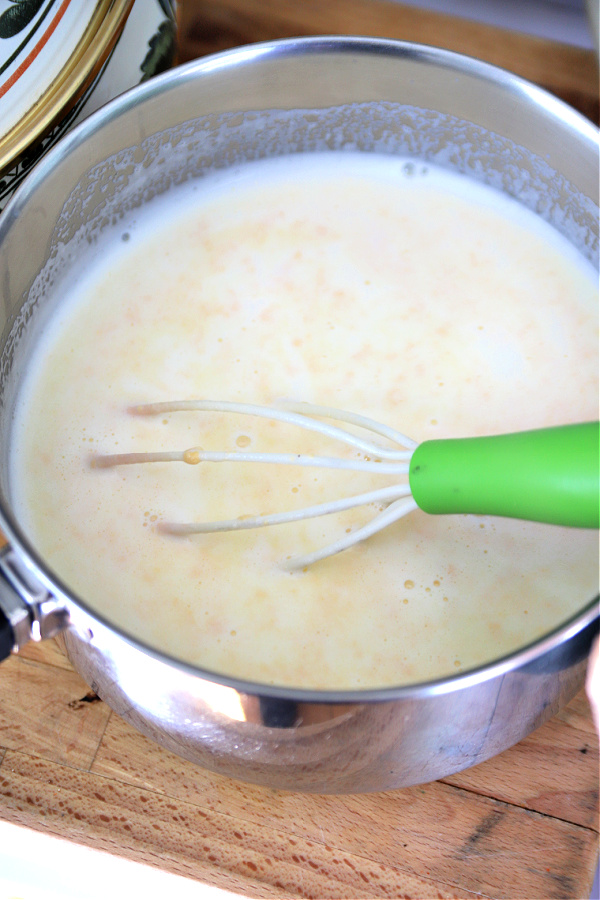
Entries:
{"x":571,"y":73}
{"x":522,"y":825}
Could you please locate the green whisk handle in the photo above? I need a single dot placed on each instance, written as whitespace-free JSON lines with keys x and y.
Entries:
{"x":548,"y":475}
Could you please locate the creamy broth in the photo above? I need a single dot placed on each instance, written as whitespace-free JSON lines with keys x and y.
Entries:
{"x":404,"y":293}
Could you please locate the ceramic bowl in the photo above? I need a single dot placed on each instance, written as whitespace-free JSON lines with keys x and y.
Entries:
{"x":60,"y":60}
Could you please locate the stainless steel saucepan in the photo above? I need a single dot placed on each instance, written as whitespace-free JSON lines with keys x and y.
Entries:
{"x":314,"y":94}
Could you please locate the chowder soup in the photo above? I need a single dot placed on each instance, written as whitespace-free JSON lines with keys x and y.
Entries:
{"x":365,"y":282}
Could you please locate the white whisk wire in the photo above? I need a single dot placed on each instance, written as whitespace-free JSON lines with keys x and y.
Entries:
{"x":393,"y":513}
{"x":343,"y":415}
{"x":382,"y":495}
{"x":290,"y":412}
{"x":380,"y":460}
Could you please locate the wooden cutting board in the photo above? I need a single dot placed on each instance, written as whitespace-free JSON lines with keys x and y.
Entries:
{"x":208,"y":26}
{"x":524,"y":824}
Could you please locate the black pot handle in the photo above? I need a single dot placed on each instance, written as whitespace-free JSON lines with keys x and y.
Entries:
{"x":27,"y":610}
{"x":7,"y":637}
{"x":16,"y":615}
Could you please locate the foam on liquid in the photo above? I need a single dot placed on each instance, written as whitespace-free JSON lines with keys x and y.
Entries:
{"x":409,"y":295}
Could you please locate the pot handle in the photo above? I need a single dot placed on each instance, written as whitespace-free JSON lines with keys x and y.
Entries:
{"x":7,"y":637}
{"x":28,"y":612}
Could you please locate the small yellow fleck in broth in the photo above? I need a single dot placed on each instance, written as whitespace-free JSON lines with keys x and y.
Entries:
{"x":427,"y":302}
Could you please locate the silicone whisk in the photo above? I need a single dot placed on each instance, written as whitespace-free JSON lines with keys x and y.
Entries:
{"x":549,"y":475}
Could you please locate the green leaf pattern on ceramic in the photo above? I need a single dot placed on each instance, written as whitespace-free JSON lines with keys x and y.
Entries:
{"x":159,"y":56}
{"x":161,"y":45}
{"x":20,"y":14}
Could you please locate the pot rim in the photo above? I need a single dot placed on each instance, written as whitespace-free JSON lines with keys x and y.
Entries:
{"x":528,"y":654}
{"x":247,"y":53}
